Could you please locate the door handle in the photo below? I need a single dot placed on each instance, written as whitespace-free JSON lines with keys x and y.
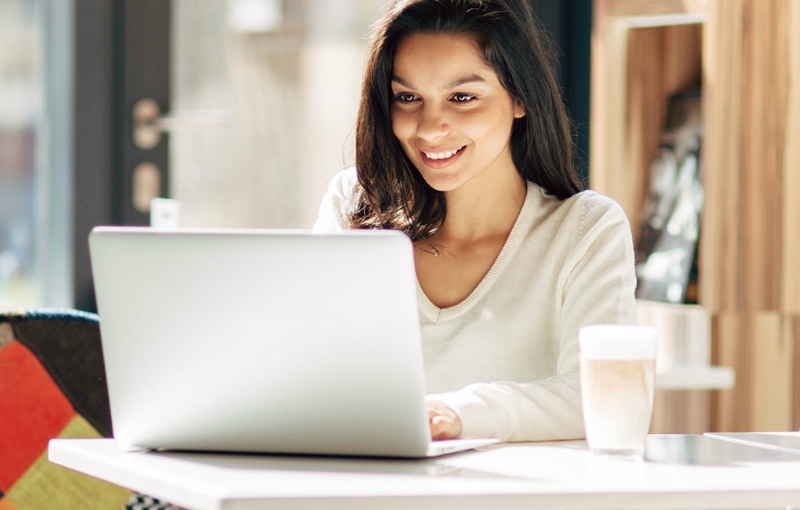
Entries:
{"x":149,"y":123}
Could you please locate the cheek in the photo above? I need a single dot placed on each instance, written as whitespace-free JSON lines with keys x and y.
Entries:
{"x":402,"y":129}
{"x":400,"y":126}
{"x":499,"y":125}
{"x":488,"y":126}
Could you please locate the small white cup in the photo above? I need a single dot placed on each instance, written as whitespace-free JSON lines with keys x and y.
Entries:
{"x":617,"y":387}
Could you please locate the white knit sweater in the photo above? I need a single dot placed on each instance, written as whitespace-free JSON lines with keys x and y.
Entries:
{"x":506,"y":358}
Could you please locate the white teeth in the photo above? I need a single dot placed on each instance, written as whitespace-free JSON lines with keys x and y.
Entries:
{"x":440,"y":155}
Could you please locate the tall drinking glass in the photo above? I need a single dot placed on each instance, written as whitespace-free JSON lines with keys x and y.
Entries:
{"x":617,"y":365}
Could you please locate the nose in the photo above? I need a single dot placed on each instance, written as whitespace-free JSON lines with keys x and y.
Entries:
{"x":432,"y":123}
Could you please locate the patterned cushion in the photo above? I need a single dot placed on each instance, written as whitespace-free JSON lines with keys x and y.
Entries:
{"x":52,"y":384}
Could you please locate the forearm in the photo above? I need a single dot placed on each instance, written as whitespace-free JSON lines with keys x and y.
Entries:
{"x":543,"y":410}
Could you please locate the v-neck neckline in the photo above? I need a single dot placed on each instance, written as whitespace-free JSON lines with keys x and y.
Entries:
{"x":510,"y":248}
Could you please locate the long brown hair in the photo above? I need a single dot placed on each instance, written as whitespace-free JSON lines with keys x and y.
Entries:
{"x":390,"y":192}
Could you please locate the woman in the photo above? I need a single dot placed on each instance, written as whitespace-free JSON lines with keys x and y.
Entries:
{"x":462,"y":142}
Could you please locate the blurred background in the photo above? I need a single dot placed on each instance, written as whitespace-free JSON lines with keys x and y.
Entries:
{"x":241,"y":110}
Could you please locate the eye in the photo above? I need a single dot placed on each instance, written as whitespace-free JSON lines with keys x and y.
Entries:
{"x":463,"y":98}
{"x":405,"y":98}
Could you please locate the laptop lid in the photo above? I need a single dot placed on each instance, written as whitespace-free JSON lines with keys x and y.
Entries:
{"x":262,"y":341}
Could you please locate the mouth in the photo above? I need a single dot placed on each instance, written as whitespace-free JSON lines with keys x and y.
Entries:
{"x":441,"y":158}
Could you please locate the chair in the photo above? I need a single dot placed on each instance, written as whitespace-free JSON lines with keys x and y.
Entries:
{"x":52,"y":384}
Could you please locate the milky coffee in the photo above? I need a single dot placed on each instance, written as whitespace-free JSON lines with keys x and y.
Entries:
{"x":617,"y":402}
{"x":617,"y":386}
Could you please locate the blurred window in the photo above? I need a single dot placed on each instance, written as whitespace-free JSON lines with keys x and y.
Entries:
{"x":21,"y":141}
{"x":289,"y":74}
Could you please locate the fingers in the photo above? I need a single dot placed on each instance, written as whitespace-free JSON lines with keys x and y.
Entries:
{"x":442,"y":428}
{"x":444,"y":422}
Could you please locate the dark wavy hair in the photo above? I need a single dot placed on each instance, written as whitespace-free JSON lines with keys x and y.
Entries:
{"x":390,"y":192}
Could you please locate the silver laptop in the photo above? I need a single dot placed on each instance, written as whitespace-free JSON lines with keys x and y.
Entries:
{"x":263,"y":341}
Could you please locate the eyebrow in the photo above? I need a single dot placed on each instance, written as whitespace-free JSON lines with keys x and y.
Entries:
{"x":473,"y":78}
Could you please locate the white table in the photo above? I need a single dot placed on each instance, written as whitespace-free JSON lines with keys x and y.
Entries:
{"x":682,"y":472}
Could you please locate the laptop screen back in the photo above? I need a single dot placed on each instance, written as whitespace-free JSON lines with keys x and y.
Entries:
{"x":265,"y":341}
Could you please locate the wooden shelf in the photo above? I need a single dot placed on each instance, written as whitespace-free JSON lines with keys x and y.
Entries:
{"x":639,"y":8}
{"x":746,"y":54}
{"x":637,"y":13}
{"x":696,"y":377}
{"x":634,"y":71}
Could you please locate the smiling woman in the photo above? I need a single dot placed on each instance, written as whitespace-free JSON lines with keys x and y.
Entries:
{"x":463,"y":143}
{"x":449,"y":107}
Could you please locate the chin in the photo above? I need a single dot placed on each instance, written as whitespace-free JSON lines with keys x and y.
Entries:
{"x":442,"y":183}
{"x":439,"y":180}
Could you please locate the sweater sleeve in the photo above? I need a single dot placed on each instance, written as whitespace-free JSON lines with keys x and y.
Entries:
{"x":335,"y":205}
{"x":598,"y":283}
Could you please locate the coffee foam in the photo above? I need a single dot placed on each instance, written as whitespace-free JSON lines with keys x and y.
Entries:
{"x":617,"y":342}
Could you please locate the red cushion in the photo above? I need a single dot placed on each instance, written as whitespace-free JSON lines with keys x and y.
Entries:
{"x":33,"y":411}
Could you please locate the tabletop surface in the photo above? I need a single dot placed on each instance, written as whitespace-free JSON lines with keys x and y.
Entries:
{"x":680,"y":471}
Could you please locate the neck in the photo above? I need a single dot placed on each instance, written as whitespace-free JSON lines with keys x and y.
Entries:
{"x":482,"y":209}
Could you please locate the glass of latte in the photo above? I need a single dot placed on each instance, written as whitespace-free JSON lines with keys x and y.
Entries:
{"x":617,"y":364}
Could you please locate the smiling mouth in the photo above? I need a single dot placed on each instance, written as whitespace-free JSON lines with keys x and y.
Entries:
{"x":442,"y":156}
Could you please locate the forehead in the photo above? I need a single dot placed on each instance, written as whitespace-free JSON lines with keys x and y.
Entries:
{"x":432,"y":56}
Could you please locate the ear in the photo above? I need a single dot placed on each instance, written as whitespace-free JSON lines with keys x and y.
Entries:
{"x":519,"y":109}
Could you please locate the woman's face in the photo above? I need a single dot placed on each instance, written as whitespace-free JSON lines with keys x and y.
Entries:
{"x":449,"y":111}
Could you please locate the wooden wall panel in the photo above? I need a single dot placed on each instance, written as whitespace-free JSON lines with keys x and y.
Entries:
{"x":681,"y":412}
{"x":729,"y":408}
{"x":722,"y":84}
{"x":790,"y":265}
{"x":763,"y":356}
{"x":791,"y":332}
{"x":745,"y":114}
{"x":771,"y":375}
{"x":749,"y":280}
{"x":763,"y":125}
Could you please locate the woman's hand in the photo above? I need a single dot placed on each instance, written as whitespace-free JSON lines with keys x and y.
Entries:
{"x":444,"y":422}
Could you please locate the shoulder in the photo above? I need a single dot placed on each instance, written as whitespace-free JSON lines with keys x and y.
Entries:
{"x":334,"y":211}
{"x":343,"y":183}
{"x":593,"y":211}
{"x":580,"y":211}
{"x":580,"y":220}
{"x":592,"y":202}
